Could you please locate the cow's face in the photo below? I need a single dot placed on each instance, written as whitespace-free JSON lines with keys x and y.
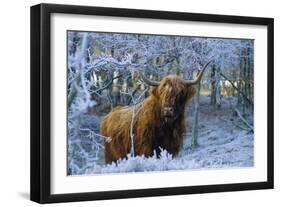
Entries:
{"x":172,"y":94}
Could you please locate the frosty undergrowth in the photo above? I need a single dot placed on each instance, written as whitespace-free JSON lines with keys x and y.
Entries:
{"x":145,"y":164}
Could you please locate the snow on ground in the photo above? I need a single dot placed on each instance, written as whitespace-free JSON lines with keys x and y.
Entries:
{"x":221,"y":144}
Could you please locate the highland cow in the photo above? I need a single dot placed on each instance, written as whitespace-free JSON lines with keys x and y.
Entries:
{"x":159,"y":122}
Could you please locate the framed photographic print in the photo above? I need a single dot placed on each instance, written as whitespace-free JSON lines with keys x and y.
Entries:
{"x":132,"y":103}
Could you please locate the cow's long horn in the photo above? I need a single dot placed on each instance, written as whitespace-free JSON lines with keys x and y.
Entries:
{"x":149,"y":82}
{"x":199,"y":76}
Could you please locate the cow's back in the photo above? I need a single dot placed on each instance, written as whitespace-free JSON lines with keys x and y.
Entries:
{"x":116,"y":125}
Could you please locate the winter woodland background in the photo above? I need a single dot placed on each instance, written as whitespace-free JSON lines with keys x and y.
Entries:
{"x":103,"y":72}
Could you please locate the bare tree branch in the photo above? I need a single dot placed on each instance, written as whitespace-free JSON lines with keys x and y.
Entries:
{"x":244,"y":120}
{"x":232,"y":123}
{"x":108,"y":84}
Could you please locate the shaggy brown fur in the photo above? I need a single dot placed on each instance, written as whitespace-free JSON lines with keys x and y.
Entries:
{"x":160,"y":122}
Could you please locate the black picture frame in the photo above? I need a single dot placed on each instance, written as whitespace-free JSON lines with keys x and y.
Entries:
{"x":41,"y":98}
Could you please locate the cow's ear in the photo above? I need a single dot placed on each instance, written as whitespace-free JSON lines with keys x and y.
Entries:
{"x":190,"y":92}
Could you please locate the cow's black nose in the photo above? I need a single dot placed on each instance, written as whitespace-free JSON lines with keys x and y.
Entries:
{"x":171,"y":109}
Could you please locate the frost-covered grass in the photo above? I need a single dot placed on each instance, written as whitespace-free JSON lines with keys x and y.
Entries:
{"x":164,"y":163}
{"x":221,"y":144}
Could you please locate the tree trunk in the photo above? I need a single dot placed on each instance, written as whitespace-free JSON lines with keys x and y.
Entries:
{"x":194,"y":139}
{"x":215,"y":84}
{"x":240,"y":81}
{"x":115,"y":93}
{"x":125,"y":98}
{"x":188,"y":75}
